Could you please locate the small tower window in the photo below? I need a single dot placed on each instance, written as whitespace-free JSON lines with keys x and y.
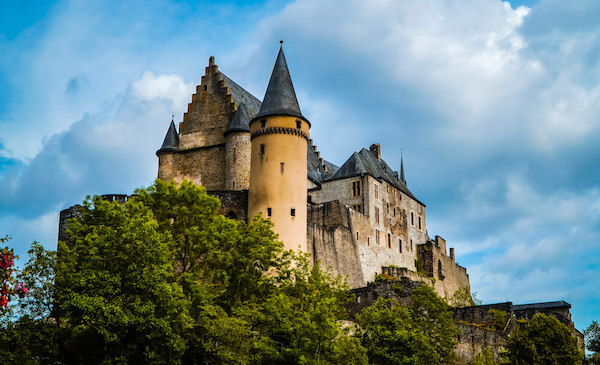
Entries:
{"x":269,"y":212}
{"x":281,"y":166}
{"x":412,"y":219}
{"x":357,"y":235}
{"x":298,"y":124}
{"x":263,"y":123}
{"x":400,"y":245}
{"x":262,"y":149}
{"x":377,"y":236}
{"x":419,"y":223}
{"x":293,"y":212}
{"x":389,"y":240}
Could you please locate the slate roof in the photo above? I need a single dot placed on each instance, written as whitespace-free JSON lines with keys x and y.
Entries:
{"x":316,"y":172}
{"x":240,"y":94}
{"x":366,"y":162}
{"x":171,"y":141}
{"x":240,"y":120}
{"x":545,"y":305}
{"x":280,"y":97}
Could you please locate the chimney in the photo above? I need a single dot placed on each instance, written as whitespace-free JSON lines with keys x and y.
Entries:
{"x":452,"y":253}
{"x":376,"y":149}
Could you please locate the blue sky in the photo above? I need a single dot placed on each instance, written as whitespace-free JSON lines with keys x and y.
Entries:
{"x":496,"y":106}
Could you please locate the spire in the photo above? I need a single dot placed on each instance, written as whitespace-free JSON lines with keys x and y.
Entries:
{"x":402,"y":168}
{"x":280,"y":98}
{"x":240,"y":120}
{"x":171,"y":142}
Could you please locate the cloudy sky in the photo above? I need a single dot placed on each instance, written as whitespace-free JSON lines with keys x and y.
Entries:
{"x":495,"y":104}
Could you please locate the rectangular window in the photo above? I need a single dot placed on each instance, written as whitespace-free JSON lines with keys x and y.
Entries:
{"x":281,"y":165}
{"x":419,"y":223}
{"x":309,"y":198}
{"x":298,"y":124}
{"x":293,"y":212}
{"x":412,"y":219}
{"x":400,"y":245}
{"x":262,"y":149}
{"x":377,"y":236}
{"x":368,"y":241}
{"x":394,"y":211}
{"x":268,"y":212}
{"x":357,"y":235}
{"x":355,"y":188}
{"x":389,"y":240}
{"x":376,"y":215}
{"x":387,"y":208}
{"x":376,"y":192}
{"x":263,"y":123}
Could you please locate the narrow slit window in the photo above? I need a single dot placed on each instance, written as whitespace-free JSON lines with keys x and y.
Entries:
{"x":293,"y":212}
{"x":263,"y":123}
{"x":357,"y":235}
{"x":269,"y":212}
{"x":412,"y":219}
{"x":262,"y":149}
{"x":419,"y":223}
{"x":377,"y":236}
{"x":389,"y":240}
{"x":400,"y":245}
{"x":281,"y":166}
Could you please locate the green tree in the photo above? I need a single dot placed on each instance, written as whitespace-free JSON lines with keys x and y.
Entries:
{"x":116,"y":301}
{"x":423,"y":333}
{"x":544,"y":340}
{"x":592,"y":342}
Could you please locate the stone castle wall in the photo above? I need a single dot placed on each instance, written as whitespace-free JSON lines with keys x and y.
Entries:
{"x":449,"y":276}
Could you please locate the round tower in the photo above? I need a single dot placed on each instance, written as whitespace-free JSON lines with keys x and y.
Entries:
{"x":279,"y":135}
{"x":237,"y":151}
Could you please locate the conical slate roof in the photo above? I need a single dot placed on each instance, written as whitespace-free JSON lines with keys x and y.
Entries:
{"x":240,"y":120}
{"x":280,"y":98}
{"x":171,"y":142}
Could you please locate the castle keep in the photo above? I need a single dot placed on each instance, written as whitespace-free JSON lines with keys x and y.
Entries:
{"x":359,"y":220}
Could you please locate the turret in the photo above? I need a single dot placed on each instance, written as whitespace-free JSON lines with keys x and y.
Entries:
{"x":237,"y":154}
{"x":166,"y":154}
{"x":279,"y":135}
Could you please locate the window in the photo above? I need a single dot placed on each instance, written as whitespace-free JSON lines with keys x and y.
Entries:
{"x":389,"y":240}
{"x":309,"y":198}
{"x":293,"y":212}
{"x":376,"y":215}
{"x":368,"y":241}
{"x":400,"y":245}
{"x":355,"y":188}
{"x":234,"y":155}
{"x":281,"y":165}
{"x":376,"y":192}
{"x":263,"y":123}
{"x":412,"y":219}
{"x":394,"y":211}
{"x":233,"y":185}
{"x":411,"y":247}
{"x":262,"y":149}
{"x":377,"y":236}
{"x":387,"y":208}
{"x":419,"y":223}
{"x":298,"y":124}
{"x":205,"y":87}
{"x":268,"y":212}
{"x":357,"y":208}
{"x":357,"y":235}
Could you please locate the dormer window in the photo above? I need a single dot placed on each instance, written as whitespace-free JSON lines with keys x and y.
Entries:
{"x":298,"y":124}
{"x":263,"y":123}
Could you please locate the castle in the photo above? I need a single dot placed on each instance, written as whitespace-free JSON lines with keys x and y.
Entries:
{"x":359,"y":220}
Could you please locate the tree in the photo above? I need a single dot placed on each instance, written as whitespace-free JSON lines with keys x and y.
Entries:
{"x":423,"y":333}
{"x":592,"y":342}
{"x":116,"y":300}
{"x":544,"y":340}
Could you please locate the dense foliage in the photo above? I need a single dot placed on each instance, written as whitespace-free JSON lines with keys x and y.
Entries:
{"x":544,"y":340}
{"x":163,"y":278}
{"x":592,"y":342}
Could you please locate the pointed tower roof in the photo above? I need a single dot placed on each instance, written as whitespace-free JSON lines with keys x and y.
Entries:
{"x":280,"y":98}
{"x":402,"y":168}
{"x":240,"y":120}
{"x":171,"y":142}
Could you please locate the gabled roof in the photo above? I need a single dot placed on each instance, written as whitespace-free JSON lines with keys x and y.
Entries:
{"x":241,"y":95}
{"x":171,"y":141}
{"x":240,"y":121}
{"x":366,"y":162}
{"x":280,"y":97}
{"x":316,"y":172}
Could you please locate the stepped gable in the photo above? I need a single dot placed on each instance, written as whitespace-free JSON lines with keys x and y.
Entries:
{"x":171,"y":141}
{"x":280,"y":97}
{"x":242,"y":95}
{"x":318,"y":168}
{"x":365,"y":162}
{"x":240,"y":121}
